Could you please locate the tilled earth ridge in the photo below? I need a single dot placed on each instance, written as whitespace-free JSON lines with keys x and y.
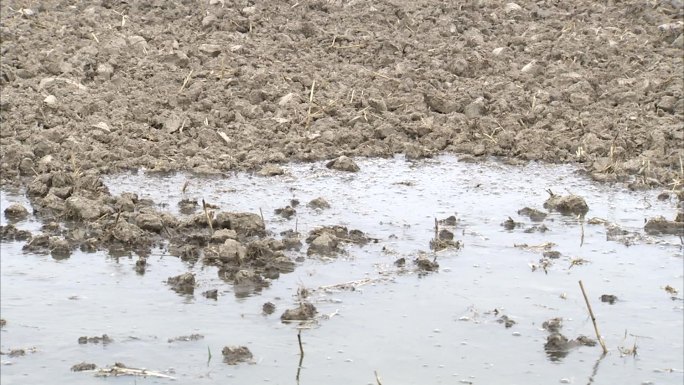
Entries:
{"x":211,"y":86}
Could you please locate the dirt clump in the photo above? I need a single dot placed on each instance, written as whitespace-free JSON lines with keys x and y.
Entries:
{"x":304,"y":312}
{"x":268,"y":308}
{"x":286,"y":212}
{"x":83,"y":366}
{"x":343,"y":163}
{"x":11,"y":233}
{"x":16,"y":212}
{"x":326,"y":241}
{"x":424,"y":264}
{"x":319,"y":204}
{"x":191,"y":337}
{"x":182,"y":284}
{"x":3,"y":322}
{"x":103,"y":339}
{"x":566,"y":204}
{"x":608,"y":298}
{"x":660,"y":225}
{"x":211,"y":294}
{"x":506,"y":320}
{"x":534,"y":214}
{"x":233,"y":355}
{"x":244,"y":224}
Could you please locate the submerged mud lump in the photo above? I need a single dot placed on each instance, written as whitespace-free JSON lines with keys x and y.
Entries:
{"x":233,"y":355}
{"x":319,"y":204}
{"x":183,"y":284}
{"x":660,"y":225}
{"x":304,"y":312}
{"x":11,"y":233}
{"x":83,"y":366}
{"x":566,"y":204}
{"x":16,"y":212}
{"x":534,"y":214}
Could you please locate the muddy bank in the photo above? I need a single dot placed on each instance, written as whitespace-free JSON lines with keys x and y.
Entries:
{"x":217,"y":86}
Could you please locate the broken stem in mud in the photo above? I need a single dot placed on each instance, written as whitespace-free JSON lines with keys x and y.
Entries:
{"x":261,"y":212}
{"x":311,"y":95}
{"x":206,"y":213}
{"x":436,"y":229}
{"x":593,"y":319}
{"x":377,"y":378}
{"x":185,"y":82}
{"x":301,"y":354}
{"x":299,"y":339}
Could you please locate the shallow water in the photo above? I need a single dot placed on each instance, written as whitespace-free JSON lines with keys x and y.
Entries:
{"x":411,"y":329}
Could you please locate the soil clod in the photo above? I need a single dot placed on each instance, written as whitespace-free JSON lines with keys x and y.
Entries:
{"x":660,"y":225}
{"x":83,"y":366}
{"x":103,"y":339}
{"x":211,"y":294}
{"x":319,"y":204}
{"x":608,"y":298}
{"x":343,"y":163}
{"x":183,"y":284}
{"x":304,"y":312}
{"x":191,"y":337}
{"x":16,"y":212}
{"x":268,"y":308}
{"x":233,"y":355}
{"x":566,"y":204}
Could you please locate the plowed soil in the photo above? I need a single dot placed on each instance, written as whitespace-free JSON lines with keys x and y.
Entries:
{"x":212,"y":86}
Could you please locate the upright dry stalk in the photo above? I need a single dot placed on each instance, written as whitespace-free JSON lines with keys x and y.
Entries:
{"x":308,"y":113}
{"x":593,"y":319}
{"x":299,"y":339}
{"x":206,"y":213}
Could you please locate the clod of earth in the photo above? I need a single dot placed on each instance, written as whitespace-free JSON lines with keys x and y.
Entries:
{"x":609,"y":298}
{"x":553,"y":325}
{"x":425,"y":264}
{"x":211,"y":294}
{"x":2,"y":322}
{"x":268,"y":308}
{"x":271,"y":170}
{"x":507,"y":321}
{"x":319,"y":203}
{"x":326,"y":240}
{"x":660,"y":225}
{"x":16,"y":212}
{"x":446,"y":235}
{"x":183,"y":284}
{"x":286,"y":212}
{"x":244,"y":224}
{"x":566,"y":204}
{"x":104,"y":339}
{"x":536,"y":228}
{"x":449,"y":221}
{"x":510,"y":224}
{"x":304,"y":312}
{"x":401,"y":262}
{"x":59,"y":247}
{"x":233,"y":355}
{"x":11,"y":233}
{"x":188,"y":206}
{"x":343,"y":163}
{"x":442,"y":244}
{"x":557,"y":346}
{"x":191,"y":337}
{"x":534,"y":214}
{"x":222,"y":235}
{"x":551,"y":254}
{"x":140,"y":265}
{"x":83,"y":366}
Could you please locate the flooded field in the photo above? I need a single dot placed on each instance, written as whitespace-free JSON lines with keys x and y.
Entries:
{"x":478,"y":319}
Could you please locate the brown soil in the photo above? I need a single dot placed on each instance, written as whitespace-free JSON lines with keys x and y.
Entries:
{"x":218,"y":85}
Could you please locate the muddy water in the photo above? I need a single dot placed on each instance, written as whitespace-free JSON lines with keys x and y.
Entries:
{"x":411,"y":329}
